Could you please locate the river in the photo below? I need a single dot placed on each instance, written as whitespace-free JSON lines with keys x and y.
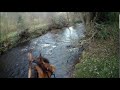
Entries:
{"x":58,"y":46}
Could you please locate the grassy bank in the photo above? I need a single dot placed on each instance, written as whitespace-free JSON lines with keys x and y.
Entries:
{"x":101,"y":59}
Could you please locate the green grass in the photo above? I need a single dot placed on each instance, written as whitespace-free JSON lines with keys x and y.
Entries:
{"x":98,"y":68}
{"x":100,"y":60}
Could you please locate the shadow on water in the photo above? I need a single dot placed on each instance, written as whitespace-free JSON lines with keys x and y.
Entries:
{"x":58,"y":48}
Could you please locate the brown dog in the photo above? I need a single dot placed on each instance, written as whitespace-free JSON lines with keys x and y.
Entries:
{"x":43,"y":67}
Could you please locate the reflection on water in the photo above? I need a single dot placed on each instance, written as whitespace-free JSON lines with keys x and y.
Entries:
{"x":73,"y":34}
{"x":70,"y":34}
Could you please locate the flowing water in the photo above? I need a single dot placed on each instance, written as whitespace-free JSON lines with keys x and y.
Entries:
{"x":59,"y":47}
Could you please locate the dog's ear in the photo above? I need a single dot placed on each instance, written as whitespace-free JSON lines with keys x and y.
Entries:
{"x":40,"y":55}
{"x":41,"y":58}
